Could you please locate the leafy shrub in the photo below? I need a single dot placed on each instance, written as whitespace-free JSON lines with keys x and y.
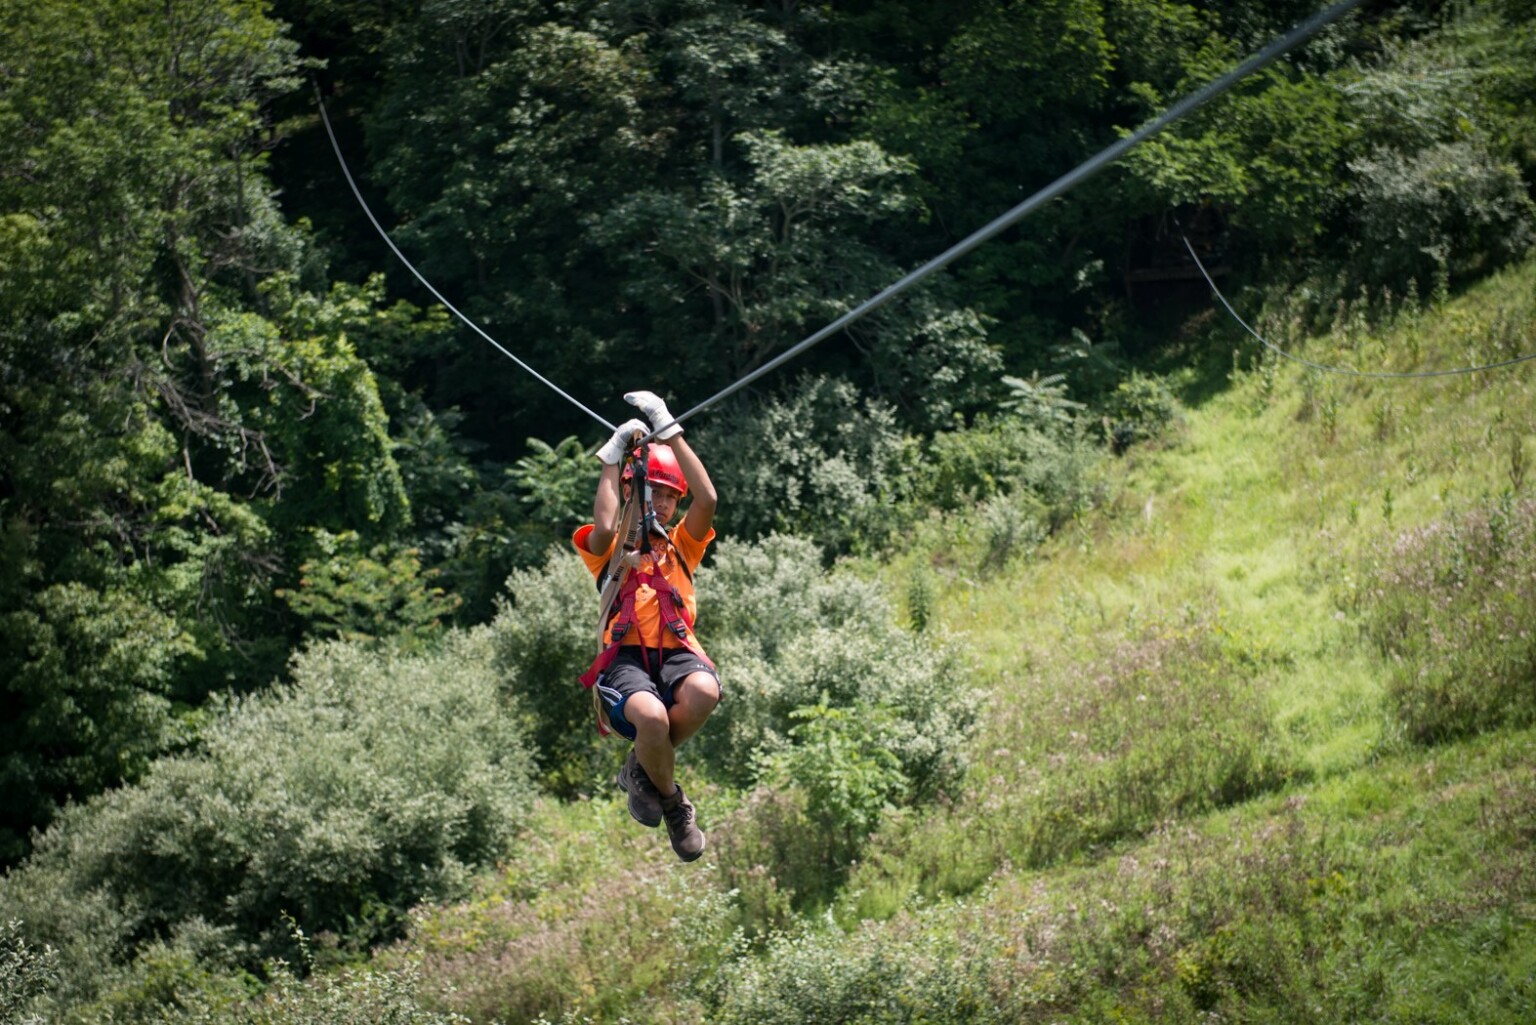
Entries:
{"x":1004,"y":455}
{"x":1453,"y":605}
{"x":1041,"y":402}
{"x":85,"y":678}
{"x":1012,"y":526}
{"x":355,"y":595}
{"x":850,"y":776}
{"x":1140,"y":409}
{"x":879,"y":976}
{"x":371,"y":783}
{"x":545,"y":636}
{"x":26,"y":971}
{"x":788,"y":636}
{"x":822,"y":462}
{"x":1447,"y":208}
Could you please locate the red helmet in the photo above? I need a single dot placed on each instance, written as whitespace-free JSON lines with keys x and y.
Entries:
{"x":662,"y":469}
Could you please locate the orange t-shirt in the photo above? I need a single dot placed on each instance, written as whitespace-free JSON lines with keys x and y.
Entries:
{"x":648,"y":629}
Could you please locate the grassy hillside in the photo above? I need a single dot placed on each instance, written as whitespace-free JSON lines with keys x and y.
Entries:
{"x":1190,"y":793}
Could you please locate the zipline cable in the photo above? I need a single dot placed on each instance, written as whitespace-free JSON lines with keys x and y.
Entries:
{"x":1346,"y":371}
{"x":1083,"y":171}
{"x":320,"y":101}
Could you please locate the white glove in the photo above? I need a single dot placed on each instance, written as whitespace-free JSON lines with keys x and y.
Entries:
{"x":656,"y":410}
{"x":622,"y":441}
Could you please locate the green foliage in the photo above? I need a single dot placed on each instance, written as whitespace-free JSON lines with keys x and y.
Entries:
{"x":1140,"y":409}
{"x":85,"y":680}
{"x":1059,"y":46}
{"x":1275,"y":155}
{"x":330,"y":436}
{"x":1453,"y":605}
{"x":555,"y":484}
{"x":373,"y":782}
{"x":378,"y":595}
{"x":839,"y":756}
{"x":1434,"y":192}
{"x":1040,"y":403}
{"x":774,"y":252}
{"x":545,"y":635}
{"x":1011,"y":526}
{"x":26,"y":972}
{"x":1450,"y":208}
{"x":822,"y":463}
{"x":1005,"y":456}
{"x":789,"y":636}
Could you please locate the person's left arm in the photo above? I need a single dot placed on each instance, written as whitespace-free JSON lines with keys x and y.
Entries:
{"x":701,"y":514}
{"x":701,"y":490}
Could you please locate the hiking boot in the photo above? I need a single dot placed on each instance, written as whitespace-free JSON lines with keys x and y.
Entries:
{"x":687,"y":840}
{"x":644,"y":801}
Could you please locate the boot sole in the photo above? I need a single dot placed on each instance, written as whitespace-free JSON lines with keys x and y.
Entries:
{"x":694,"y":856}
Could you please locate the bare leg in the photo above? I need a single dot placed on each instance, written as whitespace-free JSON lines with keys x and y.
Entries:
{"x":659,"y":732}
{"x":693,"y":699}
{"x":653,"y":743}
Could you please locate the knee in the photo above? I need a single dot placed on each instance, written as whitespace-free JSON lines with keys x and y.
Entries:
{"x":699,"y":692}
{"x":647,"y":715}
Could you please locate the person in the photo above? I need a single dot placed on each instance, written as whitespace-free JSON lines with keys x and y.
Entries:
{"x":655,"y":685}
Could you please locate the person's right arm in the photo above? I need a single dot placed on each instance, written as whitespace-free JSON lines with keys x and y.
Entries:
{"x":605,"y":504}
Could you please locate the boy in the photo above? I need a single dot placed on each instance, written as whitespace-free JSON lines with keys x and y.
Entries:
{"x":659,"y":686}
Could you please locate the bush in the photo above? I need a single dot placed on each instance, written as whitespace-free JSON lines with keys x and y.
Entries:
{"x":371,"y":783}
{"x":822,"y":462}
{"x":789,"y":636}
{"x":1004,"y":455}
{"x":545,"y":636}
{"x":1453,"y":606}
{"x":880,"y":976}
{"x":26,"y":972}
{"x":1450,"y":208}
{"x":1140,"y":409}
{"x":851,"y":777}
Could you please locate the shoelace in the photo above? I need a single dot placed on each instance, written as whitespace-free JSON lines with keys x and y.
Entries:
{"x":680,"y":815}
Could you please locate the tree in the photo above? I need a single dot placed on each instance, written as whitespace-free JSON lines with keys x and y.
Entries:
{"x":165,"y":437}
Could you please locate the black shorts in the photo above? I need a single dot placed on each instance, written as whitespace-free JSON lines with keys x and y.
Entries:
{"x":627,"y":674}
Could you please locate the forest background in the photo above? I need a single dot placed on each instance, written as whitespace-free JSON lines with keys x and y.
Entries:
{"x":285,"y":630}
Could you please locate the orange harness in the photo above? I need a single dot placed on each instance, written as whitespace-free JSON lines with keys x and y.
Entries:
{"x":674,"y":614}
{"x":635,"y":524}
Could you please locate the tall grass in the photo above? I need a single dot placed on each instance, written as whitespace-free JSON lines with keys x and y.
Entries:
{"x":1397,"y":893}
{"x":1452,"y":605}
{"x":1164,"y":722}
